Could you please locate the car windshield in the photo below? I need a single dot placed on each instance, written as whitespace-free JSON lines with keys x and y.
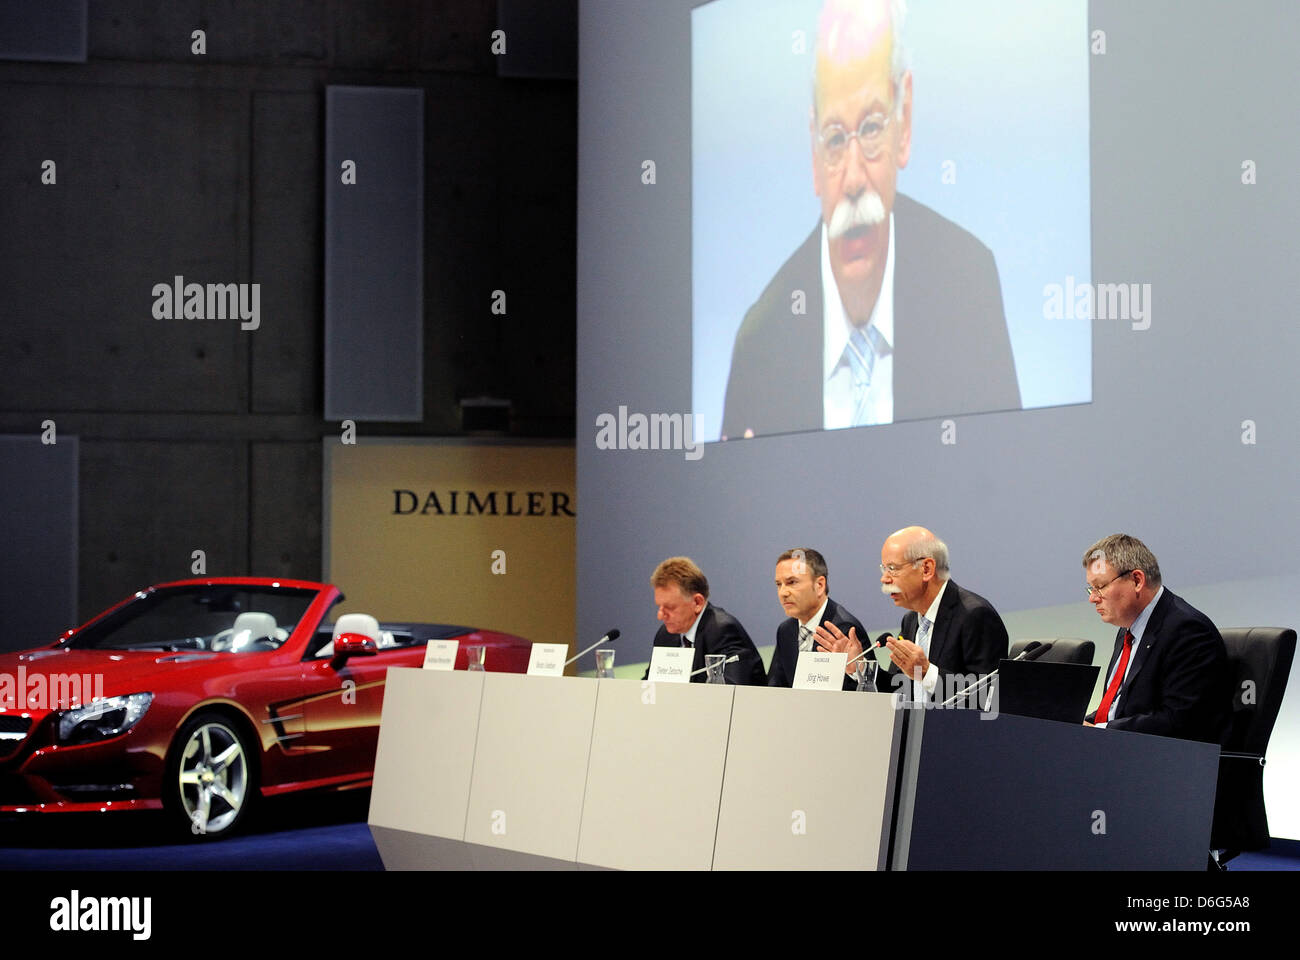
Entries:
{"x":212,"y":617}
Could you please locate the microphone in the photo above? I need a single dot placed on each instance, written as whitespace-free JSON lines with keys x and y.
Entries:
{"x":877,"y":649}
{"x":731,"y":659}
{"x":1035,"y":650}
{"x":1032,"y":651}
{"x":607,"y":638}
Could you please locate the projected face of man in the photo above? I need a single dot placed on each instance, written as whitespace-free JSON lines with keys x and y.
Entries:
{"x":854,"y":48}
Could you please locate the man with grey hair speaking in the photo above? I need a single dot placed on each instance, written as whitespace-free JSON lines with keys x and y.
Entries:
{"x":1168,"y":672}
{"x":949,"y":636}
{"x":901,"y":314}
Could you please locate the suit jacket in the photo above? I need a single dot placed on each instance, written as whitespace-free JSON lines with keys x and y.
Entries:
{"x":786,"y":655}
{"x":1178,"y":684}
{"x":952,"y":353}
{"x":719,"y":632}
{"x":968,"y":639}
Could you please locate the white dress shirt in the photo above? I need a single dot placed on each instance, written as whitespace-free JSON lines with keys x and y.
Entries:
{"x":689,"y":635}
{"x":931,"y":678}
{"x":812,"y":624}
{"x":837,"y":377}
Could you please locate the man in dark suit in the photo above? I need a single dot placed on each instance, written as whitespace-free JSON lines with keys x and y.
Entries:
{"x":1168,"y":672}
{"x":887,"y":311}
{"x":682,"y":596}
{"x":801,"y":587}
{"x":949,"y":638}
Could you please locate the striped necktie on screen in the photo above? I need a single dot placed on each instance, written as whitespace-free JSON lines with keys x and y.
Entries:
{"x":861,"y":355}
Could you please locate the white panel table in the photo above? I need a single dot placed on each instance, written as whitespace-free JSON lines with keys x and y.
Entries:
{"x":423,"y":767}
{"x":809,"y":780}
{"x":656,"y":768}
{"x":530,"y":770}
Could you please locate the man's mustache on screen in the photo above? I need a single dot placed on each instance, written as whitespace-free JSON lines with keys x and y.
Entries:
{"x":866,"y":211}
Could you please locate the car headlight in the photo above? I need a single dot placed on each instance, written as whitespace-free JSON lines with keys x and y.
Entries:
{"x":102,"y":719}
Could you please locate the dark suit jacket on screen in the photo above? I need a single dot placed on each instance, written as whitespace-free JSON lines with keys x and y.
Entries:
{"x":786,"y":655}
{"x":952,"y":353}
{"x":1178,"y":683}
{"x":968,"y":638}
{"x":719,"y":632}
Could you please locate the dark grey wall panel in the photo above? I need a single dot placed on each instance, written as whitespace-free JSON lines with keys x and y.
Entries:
{"x":38,"y":530}
{"x":286,"y":229}
{"x":43,"y":30}
{"x":405,"y":35}
{"x":146,"y":506}
{"x":374,"y":254}
{"x":271,"y":31}
{"x":150,"y":183}
{"x":541,"y":38}
{"x":286,"y":514}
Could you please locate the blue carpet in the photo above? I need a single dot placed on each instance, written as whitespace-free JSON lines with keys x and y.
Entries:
{"x":292,"y":833}
{"x":1281,"y":855}
{"x":300,"y":833}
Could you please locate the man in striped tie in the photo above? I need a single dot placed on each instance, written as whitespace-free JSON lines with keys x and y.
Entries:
{"x":1168,"y":672}
{"x":802,"y":590}
{"x":949,"y":638}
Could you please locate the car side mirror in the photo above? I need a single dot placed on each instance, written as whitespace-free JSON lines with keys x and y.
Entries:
{"x":353,"y":645}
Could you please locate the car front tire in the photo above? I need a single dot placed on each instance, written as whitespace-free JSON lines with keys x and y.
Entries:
{"x":211,"y":777}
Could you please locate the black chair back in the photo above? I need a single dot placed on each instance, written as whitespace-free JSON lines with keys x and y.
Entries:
{"x":1259,"y":665}
{"x":1064,"y":650}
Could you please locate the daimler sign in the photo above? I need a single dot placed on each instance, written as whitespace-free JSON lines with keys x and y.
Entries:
{"x":493,"y":503}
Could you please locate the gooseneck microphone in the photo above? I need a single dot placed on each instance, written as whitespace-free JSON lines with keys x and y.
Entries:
{"x":607,"y":638}
{"x":731,"y":659}
{"x":874,"y":648}
{"x":1033,"y":651}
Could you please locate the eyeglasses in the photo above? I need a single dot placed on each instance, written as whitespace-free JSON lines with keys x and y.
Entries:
{"x":893,"y":568}
{"x":834,"y":139}
{"x":1090,"y":590}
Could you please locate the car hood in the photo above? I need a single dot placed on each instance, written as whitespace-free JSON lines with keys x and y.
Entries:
{"x":107,"y":672}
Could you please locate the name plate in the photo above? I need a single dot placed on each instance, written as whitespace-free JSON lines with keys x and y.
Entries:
{"x":671,"y":664}
{"x":820,"y":670}
{"x":547,"y":659}
{"x":441,"y":654}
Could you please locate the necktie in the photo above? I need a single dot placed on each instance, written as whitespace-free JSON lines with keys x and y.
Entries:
{"x":685,"y":642}
{"x":1103,"y":709}
{"x":924,"y":625}
{"x":805,"y":638}
{"x":923,"y":628}
{"x":861,"y":352}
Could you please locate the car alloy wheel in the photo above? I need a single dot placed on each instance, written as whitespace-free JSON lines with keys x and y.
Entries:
{"x":212,"y":776}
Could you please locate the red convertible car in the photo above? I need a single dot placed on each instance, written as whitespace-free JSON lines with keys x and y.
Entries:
{"x":200,"y":696}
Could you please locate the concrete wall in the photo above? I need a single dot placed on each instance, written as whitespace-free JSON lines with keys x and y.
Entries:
{"x":195,"y":435}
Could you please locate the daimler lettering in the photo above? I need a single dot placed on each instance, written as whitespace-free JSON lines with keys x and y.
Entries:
{"x":493,"y":503}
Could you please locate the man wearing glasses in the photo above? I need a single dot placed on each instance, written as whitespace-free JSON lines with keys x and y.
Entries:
{"x":949,"y":638}
{"x":887,"y":311}
{"x":1168,"y":672}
